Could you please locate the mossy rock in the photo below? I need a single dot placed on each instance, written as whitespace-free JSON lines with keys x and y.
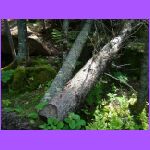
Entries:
{"x":39,"y":75}
{"x":19,"y":80}
{"x":39,"y":61}
{"x":31,"y":77}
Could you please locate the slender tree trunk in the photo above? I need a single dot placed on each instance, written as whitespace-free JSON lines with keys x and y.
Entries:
{"x":65,"y":73}
{"x":10,"y":39}
{"x":23,"y":53}
{"x":65,"y":29}
{"x":65,"y":34}
{"x":43,"y":25}
{"x":142,"y":97}
{"x":76,"y":89}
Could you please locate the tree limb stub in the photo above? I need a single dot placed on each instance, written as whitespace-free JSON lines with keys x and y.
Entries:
{"x":78,"y":87}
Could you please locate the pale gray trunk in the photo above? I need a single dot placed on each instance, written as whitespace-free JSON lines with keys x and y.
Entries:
{"x":65,"y":34}
{"x":65,"y":73}
{"x":76,"y":89}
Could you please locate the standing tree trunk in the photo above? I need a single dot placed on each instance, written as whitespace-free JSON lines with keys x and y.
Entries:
{"x":43,"y":25}
{"x":65,"y":73}
{"x":10,"y":39}
{"x":65,"y":34}
{"x":142,"y":97}
{"x":23,"y":52}
{"x":76,"y":89}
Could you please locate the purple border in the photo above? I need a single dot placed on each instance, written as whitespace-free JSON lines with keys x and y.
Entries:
{"x":120,"y":9}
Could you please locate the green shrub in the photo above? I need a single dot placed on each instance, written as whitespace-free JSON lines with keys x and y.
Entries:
{"x":73,"y":122}
{"x":116,"y":115}
{"x":7,"y":75}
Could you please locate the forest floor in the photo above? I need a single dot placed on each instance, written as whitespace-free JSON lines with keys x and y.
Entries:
{"x":105,"y":107}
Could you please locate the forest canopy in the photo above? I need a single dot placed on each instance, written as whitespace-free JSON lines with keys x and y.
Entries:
{"x":74,"y":74}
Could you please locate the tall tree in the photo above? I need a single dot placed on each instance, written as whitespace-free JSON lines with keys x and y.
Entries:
{"x":142,"y":97}
{"x":23,"y":52}
{"x":65,"y":34}
{"x":10,"y":39}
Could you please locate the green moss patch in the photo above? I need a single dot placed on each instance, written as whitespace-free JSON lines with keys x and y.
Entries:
{"x":30,"y":78}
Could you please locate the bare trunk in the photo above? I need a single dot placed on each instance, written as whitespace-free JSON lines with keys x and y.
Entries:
{"x":10,"y":39}
{"x":65,"y":34}
{"x":76,"y":89}
{"x":65,"y":73}
{"x":142,"y":97}
{"x":23,"y":52}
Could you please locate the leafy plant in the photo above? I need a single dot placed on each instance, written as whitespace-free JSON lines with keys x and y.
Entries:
{"x":52,"y":124}
{"x":6,"y":102}
{"x":56,"y":35}
{"x":73,"y":121}
{"x":116,"y":115}
{"x":33,"y":115}
{"x":121,"y":77}
{"x":95,"y":94}
{"x":7,"y":75}
{"x":40,"y":106}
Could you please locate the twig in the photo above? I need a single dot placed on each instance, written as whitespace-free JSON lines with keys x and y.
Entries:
{"x":120,"y":81}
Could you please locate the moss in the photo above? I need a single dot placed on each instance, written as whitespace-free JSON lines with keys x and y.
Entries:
{"x":39,"y":75}
{"x":31,"y":77}
{"x":19,"y":80}
{"x":39,"y":61}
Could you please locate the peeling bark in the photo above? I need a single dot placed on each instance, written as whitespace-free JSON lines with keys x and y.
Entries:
{"x":65,"y":73}
{"x":76,"y":89}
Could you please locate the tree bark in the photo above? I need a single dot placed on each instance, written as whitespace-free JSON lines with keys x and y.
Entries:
{"x":65,"y":34}
{"x":10,"y":39}
{"x":65,"y":73}
{"x":142,"y":97}
{"x":76,"y":89}
{"x":42,"y":48}
{"x":23,"y":52}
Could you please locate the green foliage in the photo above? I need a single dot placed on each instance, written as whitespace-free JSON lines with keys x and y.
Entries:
{"x":7,"y":75}
{"x":52,"y":124}
{"x":121,"y":77}
{"x":40,"y":106}
{"x":29,"y":78}
{"x":73,"y":122}
{"x":6,"y":103}
{"x":33,"y":115}
{"x":95,"y":94}
{"x":116,"y":114}
{"x":38,"y":61}
{"x":57,"y":35}
{"x":19,"y":80}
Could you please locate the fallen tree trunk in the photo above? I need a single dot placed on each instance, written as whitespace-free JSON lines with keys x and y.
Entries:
{"x":65,"y":73}
{"x":76,"y":89}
